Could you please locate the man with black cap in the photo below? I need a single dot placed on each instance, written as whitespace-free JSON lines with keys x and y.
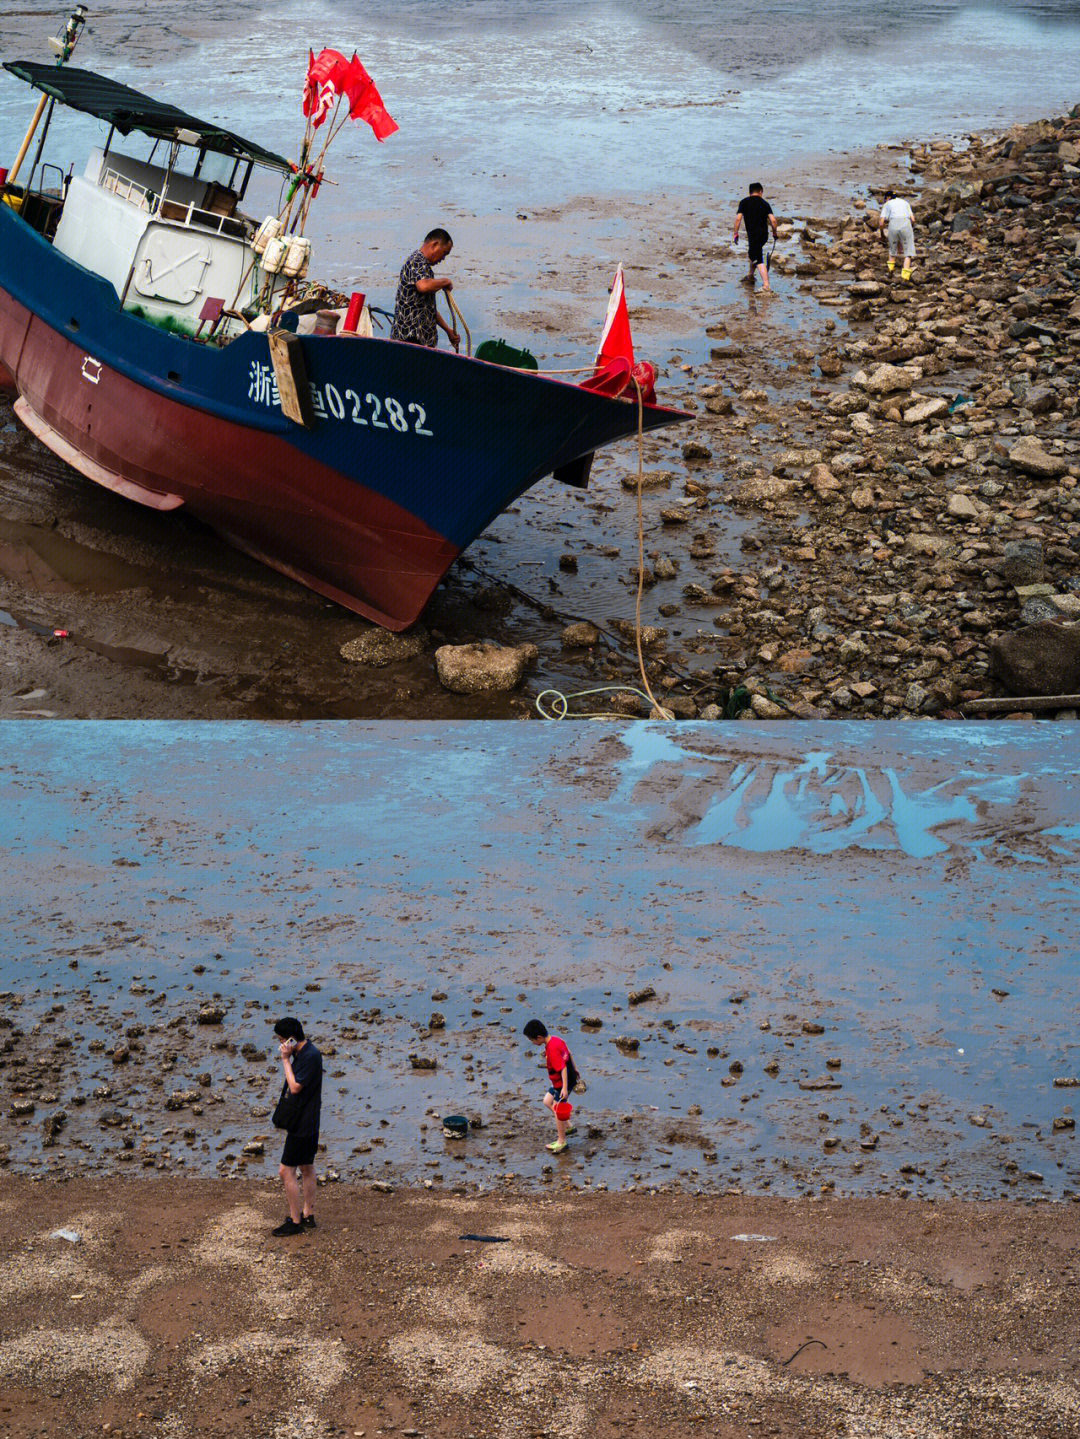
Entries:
{"x":298,"y":1114}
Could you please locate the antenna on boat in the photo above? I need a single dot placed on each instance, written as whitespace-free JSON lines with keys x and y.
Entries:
{"x":68,"y":38}
{"x":63,"y":44}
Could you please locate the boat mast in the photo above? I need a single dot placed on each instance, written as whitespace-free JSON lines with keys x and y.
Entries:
{"x":63,"y":44}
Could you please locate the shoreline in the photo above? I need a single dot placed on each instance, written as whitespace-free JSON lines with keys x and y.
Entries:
{"x":177,"y":1316}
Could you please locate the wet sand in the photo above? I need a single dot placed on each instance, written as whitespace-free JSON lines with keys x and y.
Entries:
{"x":174,"y":1314}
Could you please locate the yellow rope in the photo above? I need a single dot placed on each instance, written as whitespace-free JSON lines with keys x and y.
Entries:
{"x":562,"y":701}
{"x":659,"y":712}
{"x":456,"y":313}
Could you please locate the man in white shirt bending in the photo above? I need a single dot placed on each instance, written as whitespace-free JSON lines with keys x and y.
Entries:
{"x":896,"y":216}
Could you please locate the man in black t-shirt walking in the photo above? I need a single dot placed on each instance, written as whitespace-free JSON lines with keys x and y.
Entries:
{"x":759,"y":217}
{"x":303,"y":1068}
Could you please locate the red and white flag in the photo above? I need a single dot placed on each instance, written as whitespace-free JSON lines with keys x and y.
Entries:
{"x":329,"y":77}
{"x":325,"y":76}
{"x":615,"y":342}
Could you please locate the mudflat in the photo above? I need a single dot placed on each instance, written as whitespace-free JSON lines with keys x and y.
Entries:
{"x":166,"y":1310}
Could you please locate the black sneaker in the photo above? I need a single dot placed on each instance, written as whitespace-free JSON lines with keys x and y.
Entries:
{"x":308,"y":1221}
{"x":288,"y":1227}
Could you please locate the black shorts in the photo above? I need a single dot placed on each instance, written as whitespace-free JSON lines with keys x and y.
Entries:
{"x":756,"y":249}
{"x":299,"y":1149}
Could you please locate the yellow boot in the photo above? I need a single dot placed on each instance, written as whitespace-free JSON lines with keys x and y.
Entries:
{"x":891,"y":266}
{"x":905,"y":273}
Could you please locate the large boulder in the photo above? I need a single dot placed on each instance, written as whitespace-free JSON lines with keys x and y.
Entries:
{"x":478,"y":669}
{"x":1042,"y":659}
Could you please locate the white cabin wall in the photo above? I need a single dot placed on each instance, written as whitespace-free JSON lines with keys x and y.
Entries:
{"x":99,"y":230}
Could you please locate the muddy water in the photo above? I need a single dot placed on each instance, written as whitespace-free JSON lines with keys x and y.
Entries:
{"x":911,"y":893}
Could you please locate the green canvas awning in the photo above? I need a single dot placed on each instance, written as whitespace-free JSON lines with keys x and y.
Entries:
{"x":129,"y":110}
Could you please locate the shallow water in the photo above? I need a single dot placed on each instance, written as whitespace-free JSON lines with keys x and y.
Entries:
{"x":538,"y":869}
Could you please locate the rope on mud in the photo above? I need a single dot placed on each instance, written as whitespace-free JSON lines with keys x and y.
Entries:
{"x":785,"y":1362}
{"x":558,"y":707}
{"x":659,"y":712}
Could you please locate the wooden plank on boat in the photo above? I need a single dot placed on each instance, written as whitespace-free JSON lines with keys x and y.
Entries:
{"x":290,"y":371}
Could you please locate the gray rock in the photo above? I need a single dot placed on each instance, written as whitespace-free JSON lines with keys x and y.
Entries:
{"x":695,"y":450}
{"x":765,"y":487}
{"x":925,"y":410}
{"x":1028,"y":455}
{"x":210,"y":1014}
{"x":650,"y":480}
{"x":1023,"y":563}
{"x":580,"y":635}
{"x":764,"y":708}
{"x":479,"y":669}
{"x":962,"y":507}
{"x":1038,"y":608}
{"x":969,"y":219}
{"x":885,"y":379}
{"x":1041,"y":659}
{"x":378,"y":647}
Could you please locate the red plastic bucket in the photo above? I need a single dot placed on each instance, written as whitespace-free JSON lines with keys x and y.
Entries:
{"x":563,"y":1109}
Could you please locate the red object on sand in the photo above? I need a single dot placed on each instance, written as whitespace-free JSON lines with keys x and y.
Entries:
{"x":563,"y":1109}
{"x":616,"y":342}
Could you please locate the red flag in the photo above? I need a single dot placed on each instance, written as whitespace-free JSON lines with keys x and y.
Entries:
{"x":365,"y":102}
{"x":615,"y":342}
{"x":325,"y":80}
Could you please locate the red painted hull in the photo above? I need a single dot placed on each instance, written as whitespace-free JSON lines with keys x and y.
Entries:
{"x":344,"y":541}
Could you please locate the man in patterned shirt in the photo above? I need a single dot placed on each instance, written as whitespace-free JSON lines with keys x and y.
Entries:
{"x":415,"y":315}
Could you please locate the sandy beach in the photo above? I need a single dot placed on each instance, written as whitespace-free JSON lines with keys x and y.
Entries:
{"x":168,"y":1312}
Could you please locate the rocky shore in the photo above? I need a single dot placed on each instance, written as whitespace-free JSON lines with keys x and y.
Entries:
{"x":163,"y":1310}
{"x":917,"y":512}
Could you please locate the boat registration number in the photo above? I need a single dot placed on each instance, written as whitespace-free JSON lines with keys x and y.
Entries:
{"x":376,"y":412}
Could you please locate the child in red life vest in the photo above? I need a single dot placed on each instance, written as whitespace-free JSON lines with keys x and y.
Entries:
{"x":561,"y":1073}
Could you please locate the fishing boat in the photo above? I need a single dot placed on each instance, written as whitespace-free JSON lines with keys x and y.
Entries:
{"x":144,"y":333}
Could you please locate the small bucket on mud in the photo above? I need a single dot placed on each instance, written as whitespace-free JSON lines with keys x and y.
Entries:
{"x":455,"y":1126}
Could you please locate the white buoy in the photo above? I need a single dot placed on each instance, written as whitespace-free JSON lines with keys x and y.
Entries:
{"x":273,"y":258}
{"x":296,"y":259}
{"x":269,"y":230}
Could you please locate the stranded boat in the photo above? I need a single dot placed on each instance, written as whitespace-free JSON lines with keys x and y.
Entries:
{"x":131,"y":299}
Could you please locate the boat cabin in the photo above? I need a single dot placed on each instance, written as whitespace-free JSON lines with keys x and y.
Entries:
{"x":164,"y":230}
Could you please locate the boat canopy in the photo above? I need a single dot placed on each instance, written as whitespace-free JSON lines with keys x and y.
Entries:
{"x":128,"y":110}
